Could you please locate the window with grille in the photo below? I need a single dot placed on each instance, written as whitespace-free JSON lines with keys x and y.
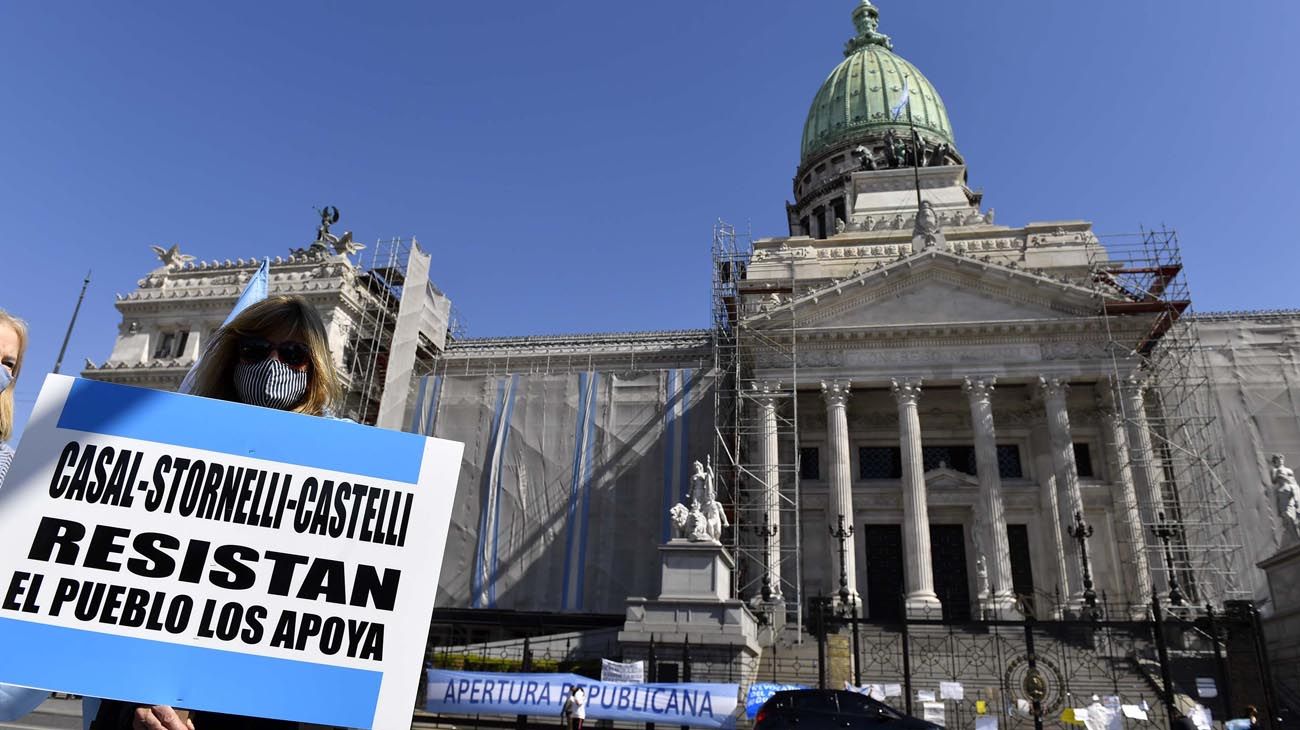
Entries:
{"x":1009,"y":462}
{"x":885,"y":462}
{"x":880,"y":462}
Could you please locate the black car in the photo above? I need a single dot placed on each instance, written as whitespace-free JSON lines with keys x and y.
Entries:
{"x":830,"y":709}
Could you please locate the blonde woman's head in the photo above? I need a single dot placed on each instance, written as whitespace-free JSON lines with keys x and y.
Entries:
{"x":257,"y":334}
{"x":13,"y":343}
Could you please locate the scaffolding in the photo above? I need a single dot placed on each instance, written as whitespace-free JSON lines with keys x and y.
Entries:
{"x":756,"y":368}
{"x":1189,"y":529}
{"x":379,"y":285}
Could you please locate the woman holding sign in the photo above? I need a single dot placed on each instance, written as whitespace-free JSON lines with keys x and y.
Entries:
{"x":13,"y":342}
{"x":15,"y":702}
{"x":274,"y":354}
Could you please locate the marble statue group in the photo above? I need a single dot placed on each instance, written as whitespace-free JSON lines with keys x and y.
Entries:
{"x":1288,"y":492}
{"x":704,"y":519}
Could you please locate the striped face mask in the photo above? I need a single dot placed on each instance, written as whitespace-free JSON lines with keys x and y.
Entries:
{"x":270,"y":384}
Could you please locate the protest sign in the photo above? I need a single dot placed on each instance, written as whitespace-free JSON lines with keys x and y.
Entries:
{"x":168,"y":549}
{"x":612,"y":671}
{"x":495,"y":693}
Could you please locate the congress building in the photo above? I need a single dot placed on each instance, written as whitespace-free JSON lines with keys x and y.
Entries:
{"x":909,"y":411}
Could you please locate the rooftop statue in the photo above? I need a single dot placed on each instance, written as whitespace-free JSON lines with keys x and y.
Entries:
{"x":926,"y":233}
{"x":172,"y":258}
{"x":326,"y":241}
{"x":866,"y":160}
{"x":329,"y":215}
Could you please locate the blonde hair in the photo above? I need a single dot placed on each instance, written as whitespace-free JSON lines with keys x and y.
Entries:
{"x":7,"y":397}
{"x":275,"y":315}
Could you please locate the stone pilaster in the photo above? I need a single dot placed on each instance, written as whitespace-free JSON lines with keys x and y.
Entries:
{"x":1133,"y":551}
{"x":836,"y":394}
{"x":992,"y":525}
{"x":1068,"y":497}
{"x":921,"y":599}
{"x":765,"y":397}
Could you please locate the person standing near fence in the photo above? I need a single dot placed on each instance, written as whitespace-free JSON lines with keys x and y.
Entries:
{"x":575,"y":708}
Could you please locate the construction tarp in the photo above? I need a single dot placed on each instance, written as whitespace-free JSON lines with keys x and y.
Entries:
{"x":1254,"y":372}
{"x":566,"y":482}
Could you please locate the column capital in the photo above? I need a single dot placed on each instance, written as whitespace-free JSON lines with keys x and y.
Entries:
{"x":1053,"y":387}
{"x":1134,"y":386}
{"x":906,"y":390}
{"x":765,"y":391}
{"x":836,"y":392}
{"x":979,"y":388}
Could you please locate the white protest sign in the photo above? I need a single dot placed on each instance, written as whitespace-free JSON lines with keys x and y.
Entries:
{"x":612,"y":671}
{"x":168,"y":549}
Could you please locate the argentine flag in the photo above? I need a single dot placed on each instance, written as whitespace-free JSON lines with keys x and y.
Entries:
{"x":903,"y":100}
{"x":257,"y":289}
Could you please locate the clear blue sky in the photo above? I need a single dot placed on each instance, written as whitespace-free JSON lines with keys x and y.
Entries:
{"x":565,"y":160}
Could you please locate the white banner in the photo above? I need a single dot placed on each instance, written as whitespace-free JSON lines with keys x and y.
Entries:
{"x":622,"y":671}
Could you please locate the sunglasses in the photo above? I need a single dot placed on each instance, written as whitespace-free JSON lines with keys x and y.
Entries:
{"x":256,"y":349}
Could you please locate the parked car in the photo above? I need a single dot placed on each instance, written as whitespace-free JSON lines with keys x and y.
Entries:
{"x":831,"y":709}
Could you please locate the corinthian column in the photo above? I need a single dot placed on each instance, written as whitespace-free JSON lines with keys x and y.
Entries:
{"x":836,"y":393}
{"x":921,"y":599}
{"x":1130,"y":522}
{"x":993,"y":523}
{"x":765,"y":396}
{"x":1069,"y":498}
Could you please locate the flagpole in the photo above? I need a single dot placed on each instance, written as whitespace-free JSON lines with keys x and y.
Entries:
{"x":67,"y":336}
{"x":916,"y":158}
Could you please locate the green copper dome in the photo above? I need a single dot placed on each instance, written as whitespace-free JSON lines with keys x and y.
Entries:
{"x":855,"y":101}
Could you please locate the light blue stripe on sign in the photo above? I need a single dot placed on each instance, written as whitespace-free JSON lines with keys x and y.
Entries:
{"x":231,"y":428}
{"x":158,"y":673}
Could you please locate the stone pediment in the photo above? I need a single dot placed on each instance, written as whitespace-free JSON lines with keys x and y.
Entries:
{"x":937,"y":288}
{"x":943,"y":477}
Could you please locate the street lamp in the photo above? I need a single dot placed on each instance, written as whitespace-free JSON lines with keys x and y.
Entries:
{"x":1081,"y":531}
{"x":848,"y":604}
{"x":766,"y":531}
{"x":1166,"y":531}
{"x":842,"y":534}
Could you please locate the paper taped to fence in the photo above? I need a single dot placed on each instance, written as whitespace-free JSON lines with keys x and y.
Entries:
{"x":611,"y":671}
{"x":168,"y":549}
{"x":499,"y":693}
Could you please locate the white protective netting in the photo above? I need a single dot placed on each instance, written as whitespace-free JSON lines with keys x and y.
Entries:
{"x":566,"y":481}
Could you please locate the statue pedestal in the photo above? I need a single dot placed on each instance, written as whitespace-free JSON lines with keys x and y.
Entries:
{"x":1282,"y":624}
{"x":695,"y":571}
{"x":694,"y":607}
